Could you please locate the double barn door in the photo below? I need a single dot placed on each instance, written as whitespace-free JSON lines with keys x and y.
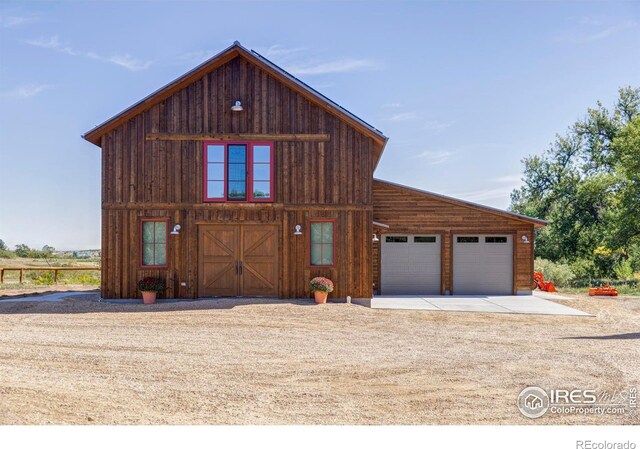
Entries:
{"x":238,"y":260}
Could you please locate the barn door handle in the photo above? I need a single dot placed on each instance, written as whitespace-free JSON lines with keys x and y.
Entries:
{"x":240,"y":265}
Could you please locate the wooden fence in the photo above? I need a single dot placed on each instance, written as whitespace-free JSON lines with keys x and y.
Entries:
{"x":54,"y":269}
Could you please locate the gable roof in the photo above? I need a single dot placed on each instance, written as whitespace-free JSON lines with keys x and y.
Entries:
{"x":538,"y":223}
{"x":221,"y":58}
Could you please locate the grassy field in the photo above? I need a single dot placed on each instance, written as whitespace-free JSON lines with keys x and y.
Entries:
{"x":44,"y":279}
{"x":236,"y":361}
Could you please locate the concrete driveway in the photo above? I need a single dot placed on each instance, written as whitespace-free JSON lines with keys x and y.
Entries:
{"x":533,"y":305}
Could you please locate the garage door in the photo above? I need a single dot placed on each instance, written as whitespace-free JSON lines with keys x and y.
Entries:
{"x":410,"y":265}
{"x":483,"y":264}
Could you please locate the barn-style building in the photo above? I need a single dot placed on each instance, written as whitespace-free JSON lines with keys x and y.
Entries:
{"x":237,"y":179}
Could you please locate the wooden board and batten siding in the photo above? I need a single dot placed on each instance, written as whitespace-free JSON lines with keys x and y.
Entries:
{"x":323,"y":161}
{"x":145,"y":176}
{"x":410,"y":211}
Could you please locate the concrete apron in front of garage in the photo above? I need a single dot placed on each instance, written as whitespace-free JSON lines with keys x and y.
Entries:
{"x":531,"y":305}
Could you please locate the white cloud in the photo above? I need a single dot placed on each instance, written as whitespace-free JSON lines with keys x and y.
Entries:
{"x":337,"y":66}
{"x":16,"y":21}
{"x":511,"y":179}
{"x":25,"y":91}
{"x":392,"y":105}
{"x":499,"y":188}
{"x":435,"y":157}
{"x":279,"y":51}
{"x":403,"y":117}
{"x":592,"y":29}
{"x":294,"y":61}
{"x":127,"y":61}
{"x":485,"y":194}
{"x":436,"y":125}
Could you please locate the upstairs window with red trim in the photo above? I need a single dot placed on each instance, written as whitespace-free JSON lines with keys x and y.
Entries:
{"x":238,"y":172}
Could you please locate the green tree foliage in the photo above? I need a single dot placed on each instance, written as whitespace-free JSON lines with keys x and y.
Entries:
{"x":587,"y":185}
{"x":4,"y":250}
{"x":23,"y":250}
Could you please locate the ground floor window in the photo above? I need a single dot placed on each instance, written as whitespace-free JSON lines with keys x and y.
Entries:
{"x":322,"y":247}
{"x":153,"y":242}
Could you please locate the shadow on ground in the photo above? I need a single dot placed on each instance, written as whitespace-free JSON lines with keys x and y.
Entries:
{"x":92,"y":303}
{"x":629,"y":336}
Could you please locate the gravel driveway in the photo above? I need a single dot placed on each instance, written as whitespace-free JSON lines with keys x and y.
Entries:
{"x":278,"y":362}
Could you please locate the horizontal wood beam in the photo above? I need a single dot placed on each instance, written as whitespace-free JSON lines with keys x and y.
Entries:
{"x":241,"y":137}
{"x":235,"y":206}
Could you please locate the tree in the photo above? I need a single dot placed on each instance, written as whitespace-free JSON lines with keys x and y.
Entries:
{"x":4,"y":250}
{"x":23,"y":250}
{"x":626,"y":146}
{"x":586,"y":185}
{"x":47,"y":251}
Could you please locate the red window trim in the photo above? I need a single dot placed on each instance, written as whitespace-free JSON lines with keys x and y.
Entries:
{"x":154,"y":219}
{"x":334,"y":242}
{"x":249,"y":181}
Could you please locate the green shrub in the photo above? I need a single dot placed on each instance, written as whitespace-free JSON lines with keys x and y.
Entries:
{"x":561,"y":274}
{"x":584,"y":269}
{"x":6,"y":254}
{"x":623,"y":269}
{"x":84,"y":279}
{"x":41,"y":277}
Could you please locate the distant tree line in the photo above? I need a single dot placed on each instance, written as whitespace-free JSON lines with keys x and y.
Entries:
{"x":47,"y":252}
{"x":587,"y":186}
{"x":22,"y":250}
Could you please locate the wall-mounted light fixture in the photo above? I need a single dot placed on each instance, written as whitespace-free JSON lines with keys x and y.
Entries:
{"x":375,"y":238}
{"x":525,"y":239}
{"x":298,"y":230}
{"x":176,"y":230}
{"x":237,"y":107}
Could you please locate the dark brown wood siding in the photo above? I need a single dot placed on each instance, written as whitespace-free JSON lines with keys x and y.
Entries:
{"x":407,"y":212}
{"x":160,"y":178}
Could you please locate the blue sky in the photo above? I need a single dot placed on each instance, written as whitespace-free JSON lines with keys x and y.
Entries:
{"x":463,"y":90}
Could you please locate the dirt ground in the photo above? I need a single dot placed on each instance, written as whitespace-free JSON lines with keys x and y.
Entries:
{"x":279,"y":362}
{"x":39,"y":290}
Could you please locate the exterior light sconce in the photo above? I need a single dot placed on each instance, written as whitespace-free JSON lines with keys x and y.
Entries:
{"x":525,"y":239}
{"x":176,"y":230}
{"x":237,"y":107}
{"x":375,"y":238}
{"x":298,"y":230}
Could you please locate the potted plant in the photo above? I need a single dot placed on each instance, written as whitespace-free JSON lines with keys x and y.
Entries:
{"x":321,"y":287}
{"x":150,"y":287}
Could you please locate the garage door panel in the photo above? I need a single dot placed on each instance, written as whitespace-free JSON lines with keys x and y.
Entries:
{"x":485,"y":267}
{"x":410,"y":267}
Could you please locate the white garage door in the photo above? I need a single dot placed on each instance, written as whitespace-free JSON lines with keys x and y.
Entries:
{"x":410,"y":265}
{"x":482,"y":264}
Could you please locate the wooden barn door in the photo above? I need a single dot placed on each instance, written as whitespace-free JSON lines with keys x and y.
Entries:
{"x":238,"y":260}
{"x":259,"y":264}
{"x":218,"y":256}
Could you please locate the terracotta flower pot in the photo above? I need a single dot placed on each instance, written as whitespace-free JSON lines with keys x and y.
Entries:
{"x":149,"y":297}
{"x":321,"y":297}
